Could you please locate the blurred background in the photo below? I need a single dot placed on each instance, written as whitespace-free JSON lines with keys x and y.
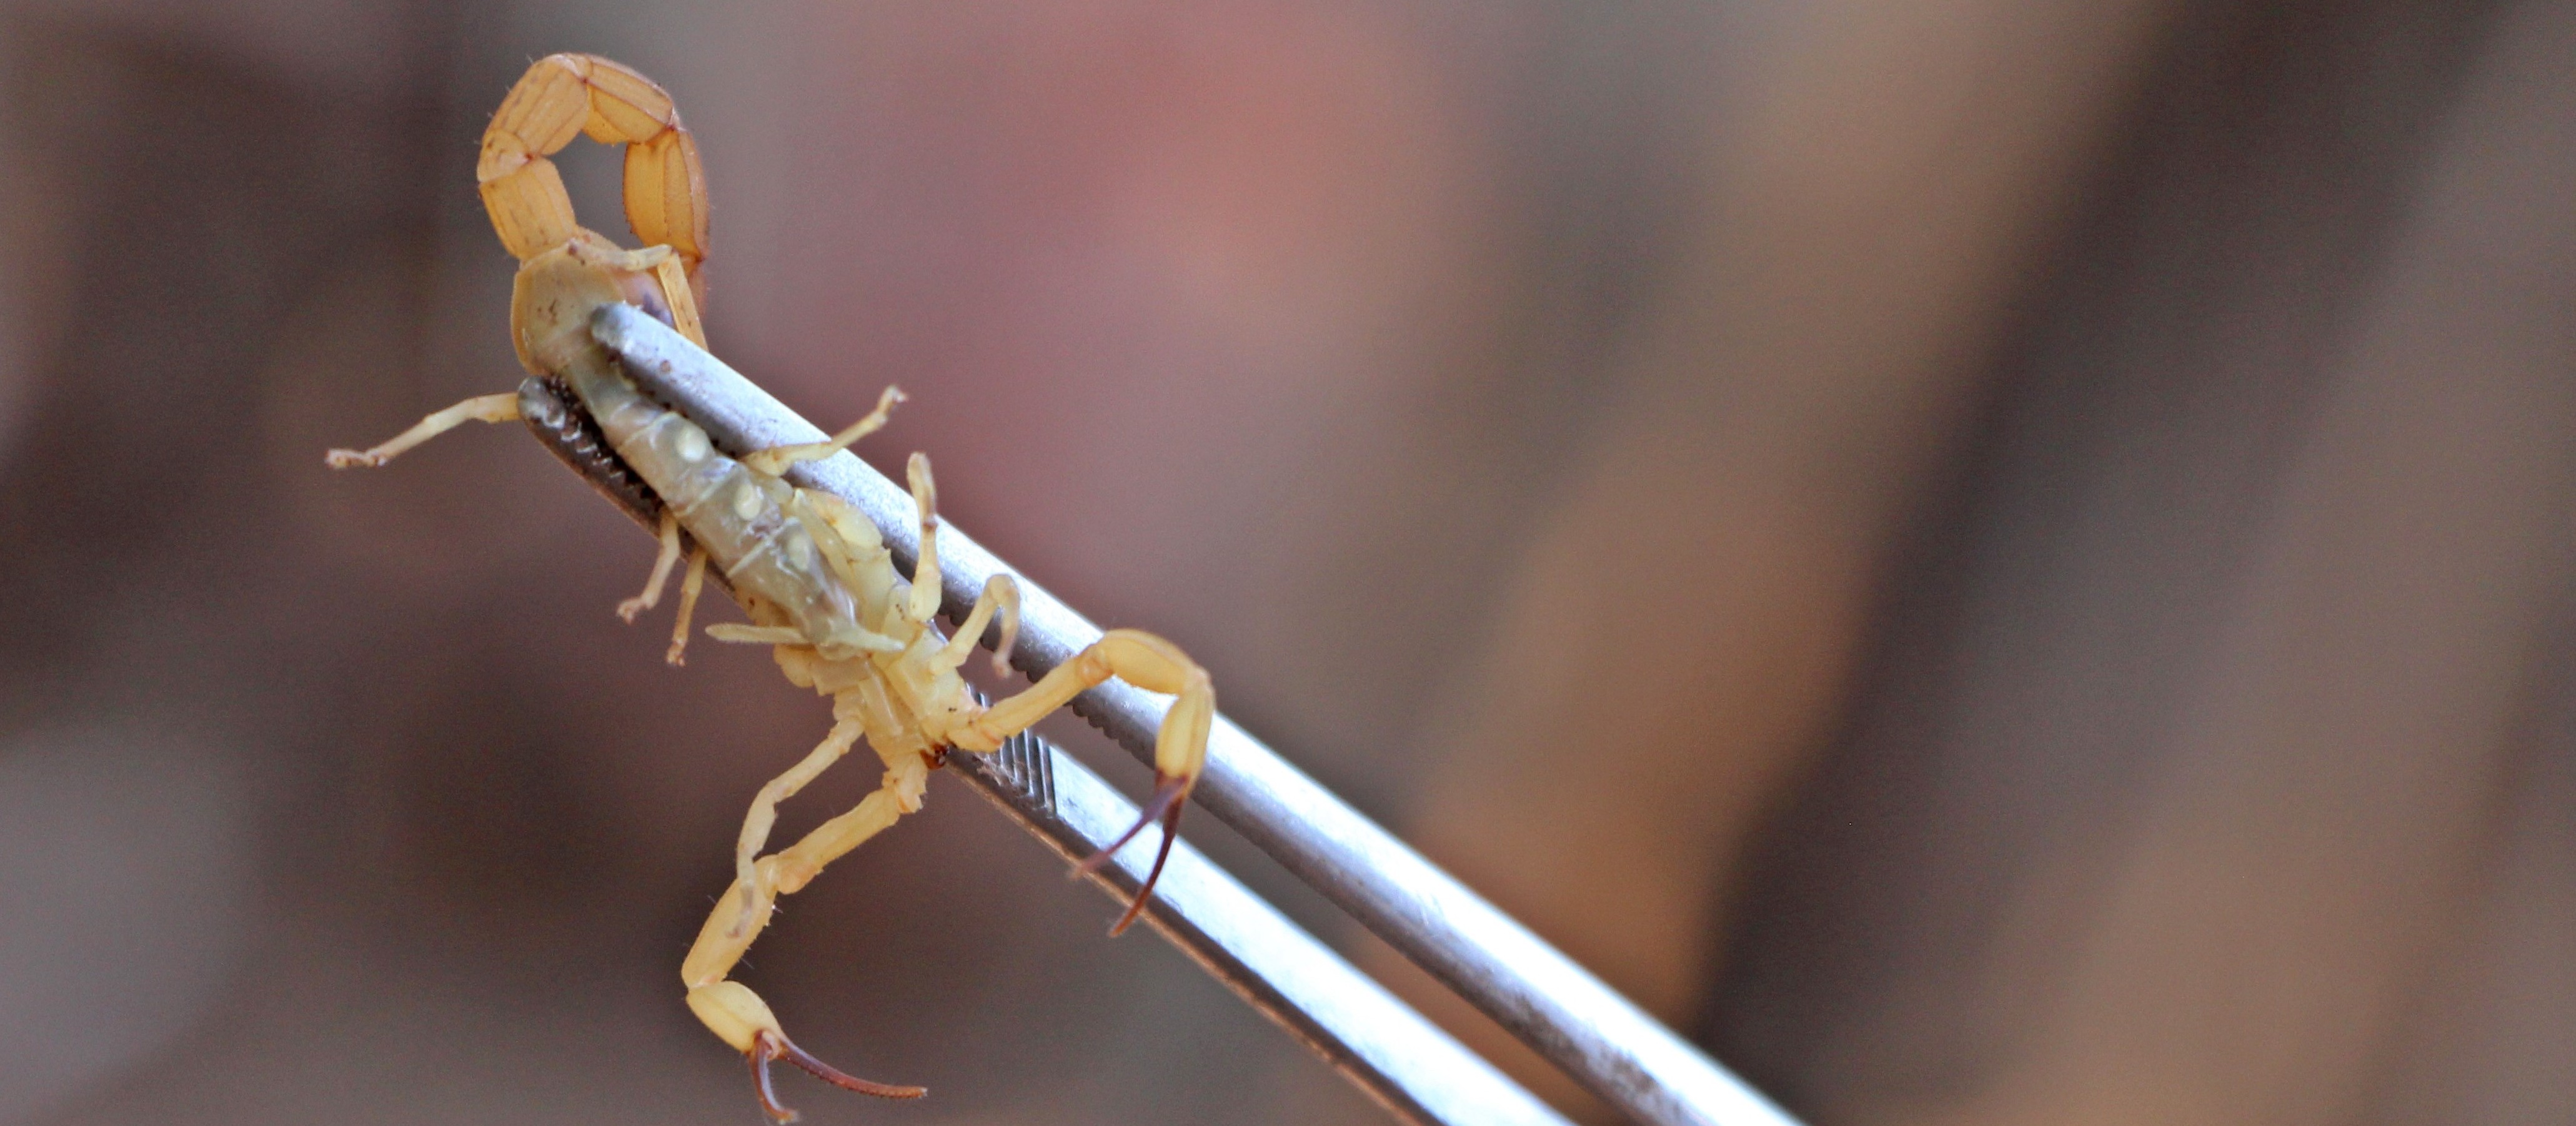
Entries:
{"x":1992,"y":561}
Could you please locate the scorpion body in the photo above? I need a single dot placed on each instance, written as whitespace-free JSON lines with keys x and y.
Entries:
{"x":812,"y":574}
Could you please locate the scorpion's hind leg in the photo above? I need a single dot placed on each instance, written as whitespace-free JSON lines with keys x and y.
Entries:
{"x":1180,"y":748}
{"x":691,"y":583}
{"x":730,"y":1009}
{"x":661,"y":576}
{"x":503,"y":407}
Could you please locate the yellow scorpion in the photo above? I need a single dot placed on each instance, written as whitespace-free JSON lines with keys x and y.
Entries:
{"x":811,"y":572}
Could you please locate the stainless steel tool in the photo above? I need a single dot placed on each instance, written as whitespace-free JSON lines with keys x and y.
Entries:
{"x":1596,"y":1036}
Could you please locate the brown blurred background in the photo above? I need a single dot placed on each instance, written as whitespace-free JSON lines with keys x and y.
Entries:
{"x":1994,"y":561}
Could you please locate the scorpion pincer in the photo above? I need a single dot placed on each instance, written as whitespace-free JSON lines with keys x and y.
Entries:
{"x":812,"y":574}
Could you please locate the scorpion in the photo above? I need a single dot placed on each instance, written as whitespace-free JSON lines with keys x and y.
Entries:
{"x":811,"y":572}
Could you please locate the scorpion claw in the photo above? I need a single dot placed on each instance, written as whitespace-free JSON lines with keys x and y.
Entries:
{"x":1165,"y":806}
{"x":759,"y":1058}
{"x":768,"y":1047}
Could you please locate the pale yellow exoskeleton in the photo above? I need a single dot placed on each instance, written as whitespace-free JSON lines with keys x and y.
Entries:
{"x":813,"y":574}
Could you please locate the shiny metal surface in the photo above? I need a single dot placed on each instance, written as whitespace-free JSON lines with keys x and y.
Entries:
{"x":1381,"y":1044}
{"x":1597,"y":1036}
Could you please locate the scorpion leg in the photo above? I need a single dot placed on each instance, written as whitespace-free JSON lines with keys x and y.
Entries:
{"x":1001,"y":592}
{"x":481,"y":408}
{"x":776,"y":459}
{"x":1180,"y":748}
{"x":690,"y":585}
{"x":661,"y":577}
{"x":1001,"y":595}
{"x":925,"y":570}
{"x":729,"y":1008}
{"x":757,"y":635}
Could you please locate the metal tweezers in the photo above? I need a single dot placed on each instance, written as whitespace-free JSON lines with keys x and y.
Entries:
{"x":1391,"y":1052}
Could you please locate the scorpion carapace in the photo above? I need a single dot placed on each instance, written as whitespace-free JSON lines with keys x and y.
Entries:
{"x":812,"y":574}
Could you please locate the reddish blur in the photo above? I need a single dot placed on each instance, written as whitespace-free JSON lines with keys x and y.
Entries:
{"x":1993,"y":561}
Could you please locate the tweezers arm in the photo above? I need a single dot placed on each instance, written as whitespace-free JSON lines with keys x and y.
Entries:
{"x":1408,"y":1064}
{"x":1595,"y":1035}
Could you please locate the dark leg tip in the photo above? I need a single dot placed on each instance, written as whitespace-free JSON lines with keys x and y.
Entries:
{"x":769,"y":1046}
{"x":1165,"y":806}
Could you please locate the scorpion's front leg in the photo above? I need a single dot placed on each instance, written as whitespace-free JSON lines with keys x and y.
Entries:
{"x":730,"y":1009}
